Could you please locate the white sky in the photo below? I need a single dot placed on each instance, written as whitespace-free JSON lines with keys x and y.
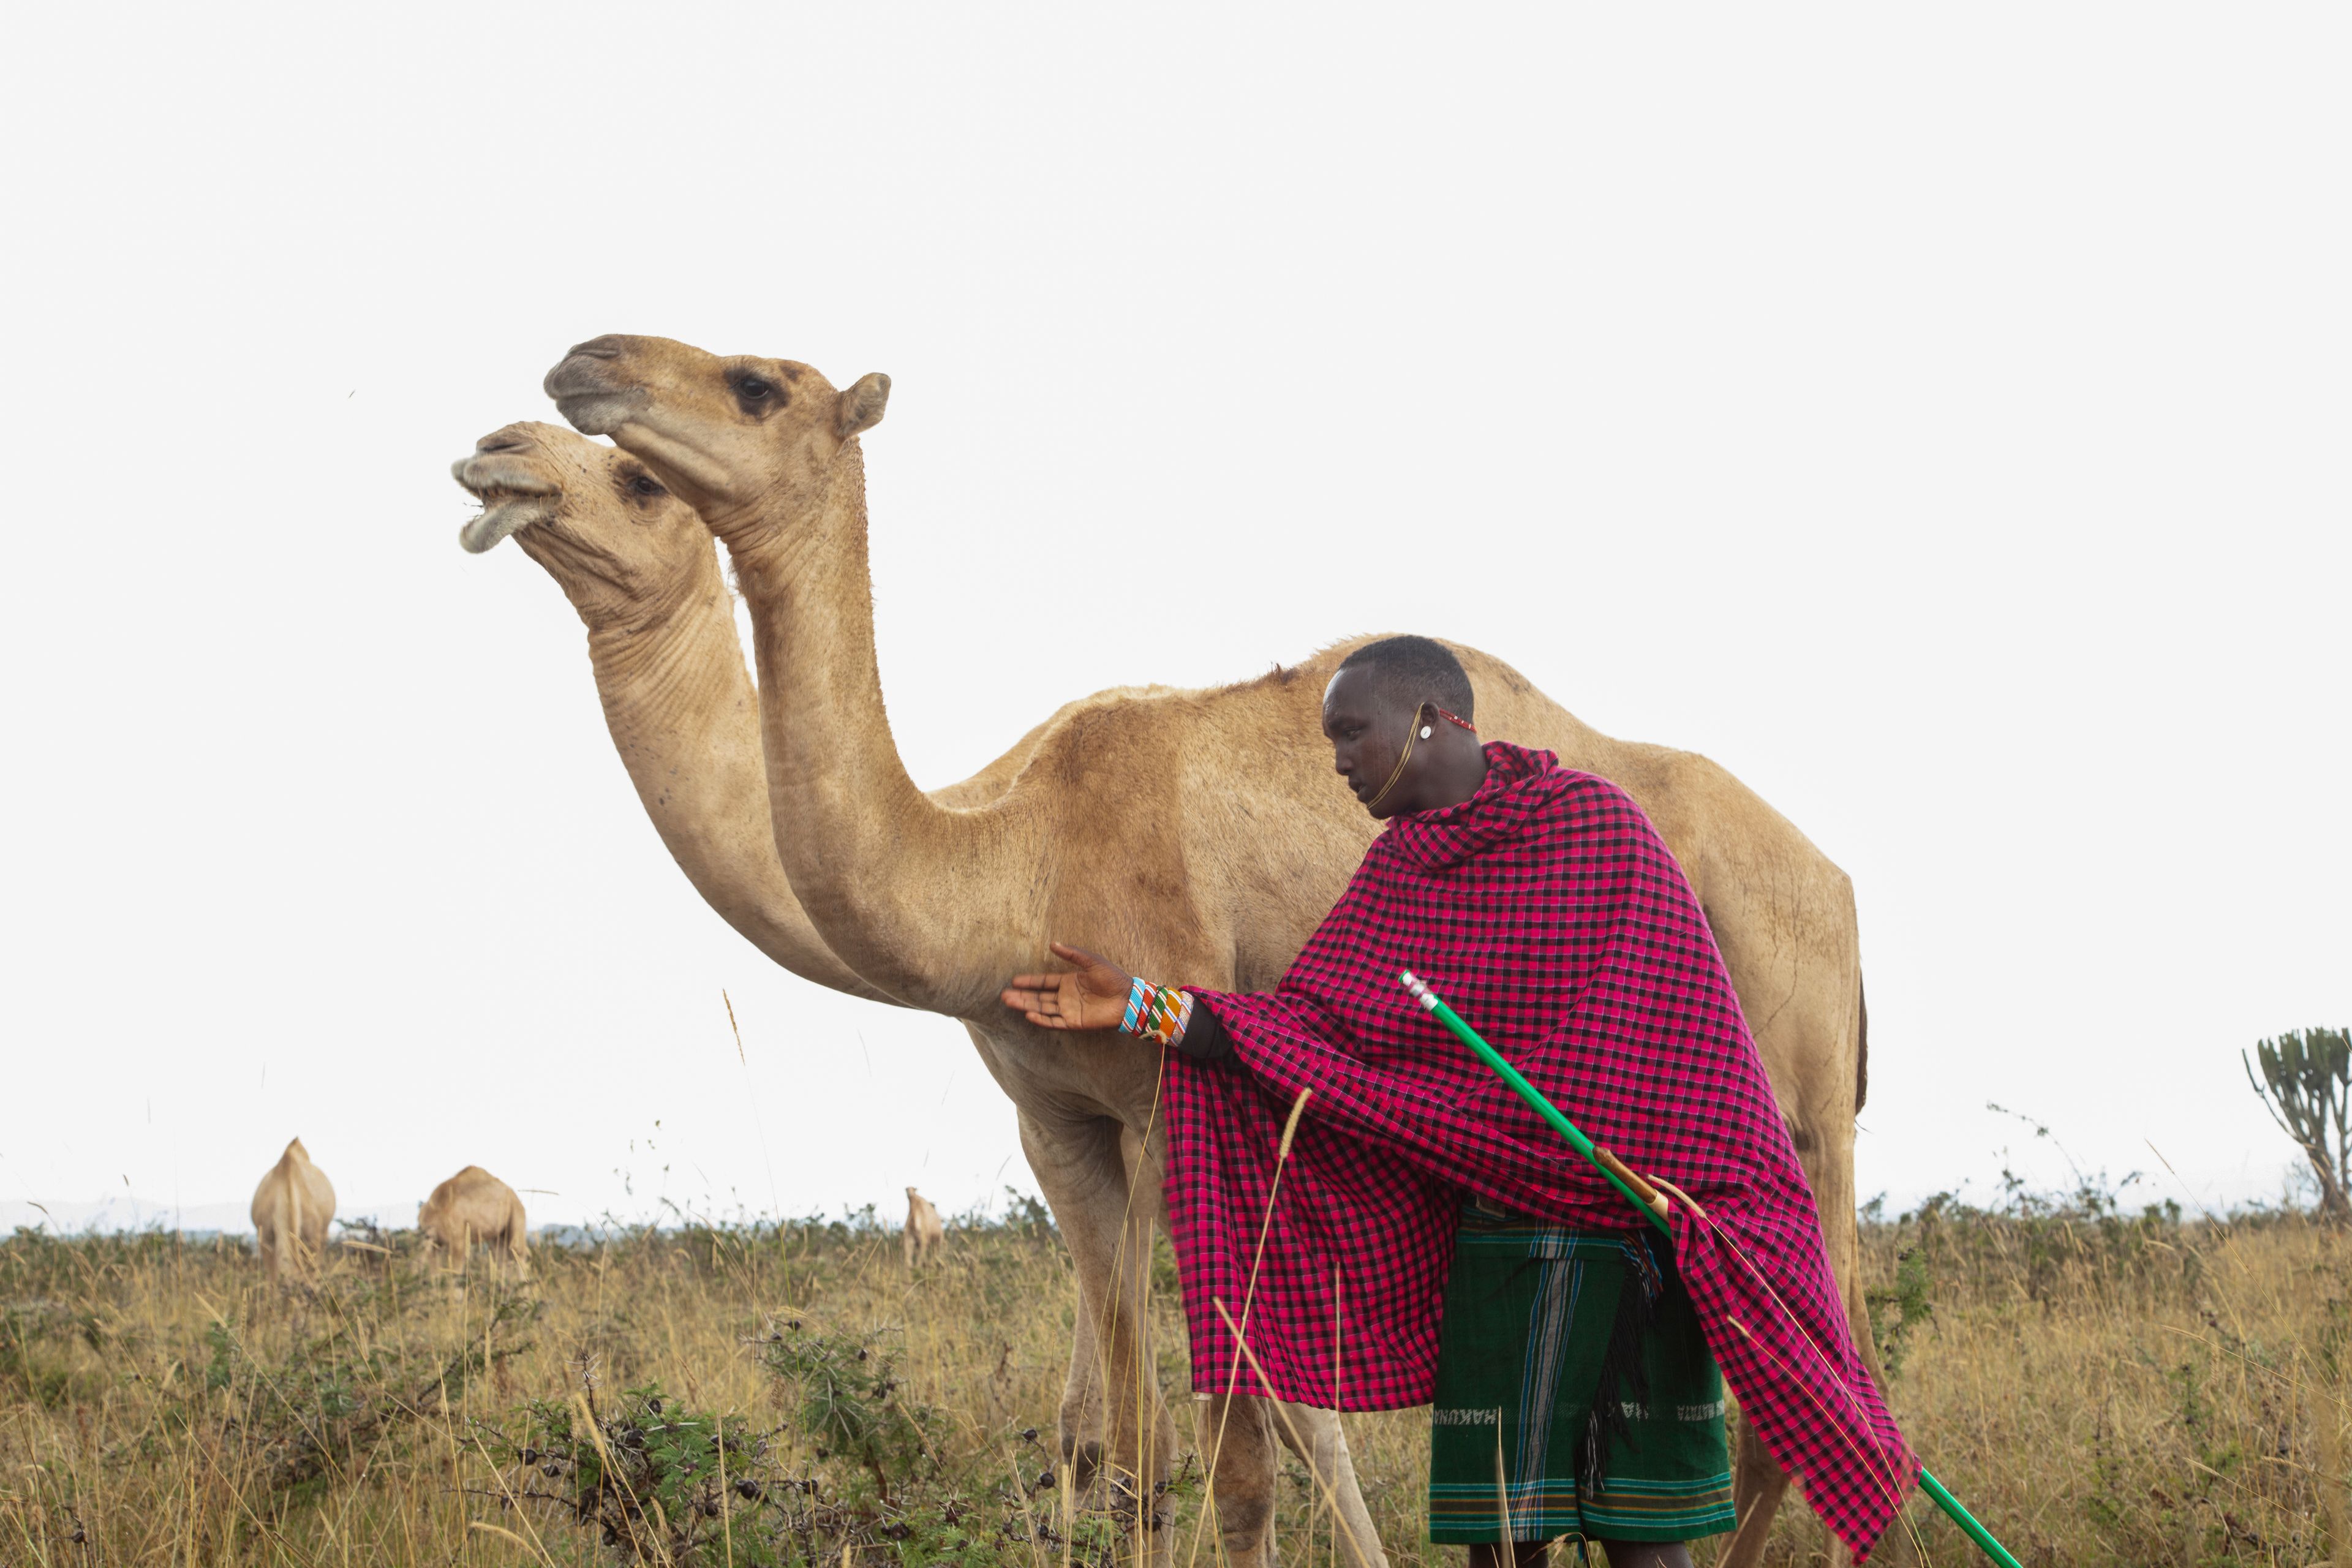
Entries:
{"x":1939,"y":420}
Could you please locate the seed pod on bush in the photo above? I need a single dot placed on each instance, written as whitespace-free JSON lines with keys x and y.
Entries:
{"x":748,"y":1490}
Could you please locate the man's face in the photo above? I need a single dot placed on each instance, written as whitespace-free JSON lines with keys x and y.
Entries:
{"x":1367,"y":730}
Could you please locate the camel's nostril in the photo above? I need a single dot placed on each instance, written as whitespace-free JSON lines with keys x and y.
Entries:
{"x":606,"y":347}
{"x":503,"y":443}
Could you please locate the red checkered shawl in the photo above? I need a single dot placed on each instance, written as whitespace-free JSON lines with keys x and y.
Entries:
{"x":1548,"y":911}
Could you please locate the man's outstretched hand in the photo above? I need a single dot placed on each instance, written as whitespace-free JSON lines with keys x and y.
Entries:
{"x":1091,"y":996}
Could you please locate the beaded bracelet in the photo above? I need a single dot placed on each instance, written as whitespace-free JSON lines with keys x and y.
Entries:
{"x":1156,"y":1013}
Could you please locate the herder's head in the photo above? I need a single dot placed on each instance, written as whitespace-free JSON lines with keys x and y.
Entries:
{"x":1398,"y":715}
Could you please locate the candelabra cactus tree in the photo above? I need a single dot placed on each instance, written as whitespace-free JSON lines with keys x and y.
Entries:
{"x":2307,"y":1086}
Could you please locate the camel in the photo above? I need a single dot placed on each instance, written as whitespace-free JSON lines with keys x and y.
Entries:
{"x":1124,"y":831}
{"x":924,"y":1230}
{"x":290,"y":1211}
{"x":475,"y":1207}
{"x":639,"y":568}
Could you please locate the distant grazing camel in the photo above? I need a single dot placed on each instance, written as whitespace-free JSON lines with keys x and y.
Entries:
{"x":924,"y":1230}
{"x":290,"y":1211}
{"x":475,"y":1207}
{"x":1110,"y":836}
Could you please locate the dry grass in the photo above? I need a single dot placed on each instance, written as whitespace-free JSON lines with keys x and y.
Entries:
{"x":2101,"y":1391}
{"x":2108,"y":1391}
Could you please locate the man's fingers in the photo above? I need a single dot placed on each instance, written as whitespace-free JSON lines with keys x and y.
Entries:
{"x":1042,"y":1022}
{"x":1035,"y":982}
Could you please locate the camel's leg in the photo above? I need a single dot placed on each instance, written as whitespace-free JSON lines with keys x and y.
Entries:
{"x":1758,"y":1486}
{"x":1082,"y":1417}
{"x":1758,"y":1483}
{"x":1825,"y":1148}
{"x":1243,"y":1470}
{"x":1316,"y":1436}
{"x":907,"y":1244}
{"x":269,"y":1264}
{"x":1079,"y":1167}
{"x":1815,"y":1045}
{"x":1895,"y":1549}
{"x":1236,"y":1434}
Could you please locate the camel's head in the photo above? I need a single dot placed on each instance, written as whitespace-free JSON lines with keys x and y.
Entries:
{"x":621,"y":546}
{"x":732,"y":434}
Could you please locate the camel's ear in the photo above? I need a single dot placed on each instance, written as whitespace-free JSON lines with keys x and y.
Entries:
{"x":860,"y":407}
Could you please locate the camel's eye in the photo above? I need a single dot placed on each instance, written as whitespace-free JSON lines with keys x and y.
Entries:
{"x":645,"y":485}
{"x":751,"y":389}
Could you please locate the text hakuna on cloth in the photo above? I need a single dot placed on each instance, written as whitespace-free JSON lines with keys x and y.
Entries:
{"x":1548,"y":911}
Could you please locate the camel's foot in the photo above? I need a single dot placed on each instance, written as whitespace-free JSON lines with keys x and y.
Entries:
{"x":1082,"y":1456}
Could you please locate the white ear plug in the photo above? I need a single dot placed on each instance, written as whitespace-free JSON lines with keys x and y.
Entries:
{"x":1424,"y":732}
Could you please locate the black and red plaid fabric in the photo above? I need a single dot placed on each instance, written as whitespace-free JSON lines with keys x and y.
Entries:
{"x":1549,"y":912}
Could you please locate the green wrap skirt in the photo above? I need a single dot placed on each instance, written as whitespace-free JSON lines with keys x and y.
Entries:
{"x":1575,"y":1395}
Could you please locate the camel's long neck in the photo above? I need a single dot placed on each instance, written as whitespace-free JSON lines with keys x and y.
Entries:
{"x":683,"y":716}
{"x":907,"y":892}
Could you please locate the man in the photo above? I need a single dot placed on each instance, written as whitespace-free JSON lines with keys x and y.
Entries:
{"x":1330,"y":1149}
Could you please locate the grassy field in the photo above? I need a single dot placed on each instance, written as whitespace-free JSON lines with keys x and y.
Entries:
{"x":2100,"y":1389}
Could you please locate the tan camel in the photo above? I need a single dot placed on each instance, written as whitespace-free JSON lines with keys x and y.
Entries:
{"x":640,"y":570}
{"x":924,"y":1229}
{"x":1128,"y":830}
{"x":475,"y":1207}
{"x":290,"y":1211}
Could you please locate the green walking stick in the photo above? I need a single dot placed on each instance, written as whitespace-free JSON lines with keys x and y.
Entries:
{"x":1655,"y":1208}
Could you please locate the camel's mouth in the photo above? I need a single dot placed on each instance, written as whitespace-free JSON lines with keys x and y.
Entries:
{"x":503,"y":514}
{"x":512,"y":495}
{"x":590,"y":397}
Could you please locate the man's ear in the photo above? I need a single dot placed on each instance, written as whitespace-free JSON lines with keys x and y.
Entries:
{"x":860,"y":407}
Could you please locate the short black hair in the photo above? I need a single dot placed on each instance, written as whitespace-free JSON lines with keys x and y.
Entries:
{"x":1416,"y":669}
